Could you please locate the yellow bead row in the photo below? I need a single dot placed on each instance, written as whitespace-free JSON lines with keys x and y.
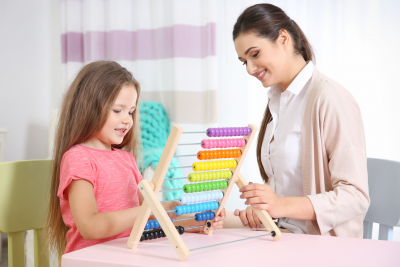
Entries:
{"x":214,"y":165}
{"x":209,"y":176}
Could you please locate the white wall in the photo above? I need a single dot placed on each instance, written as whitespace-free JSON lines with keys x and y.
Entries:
{"x":32,"y":81}
{"x":29,"y":68}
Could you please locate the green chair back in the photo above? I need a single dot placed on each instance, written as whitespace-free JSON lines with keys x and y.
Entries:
{"x":24,"y":196}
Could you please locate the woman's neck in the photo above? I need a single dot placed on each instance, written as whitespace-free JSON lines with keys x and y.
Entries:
{"x":294,"y":68}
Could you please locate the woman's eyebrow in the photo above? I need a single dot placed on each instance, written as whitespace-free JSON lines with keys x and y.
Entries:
{"x":247,"y":51}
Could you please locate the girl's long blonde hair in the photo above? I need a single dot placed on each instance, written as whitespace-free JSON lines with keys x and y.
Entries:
{"x":83,"y":113}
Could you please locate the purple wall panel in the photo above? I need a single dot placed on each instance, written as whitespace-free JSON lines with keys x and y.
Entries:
{"x":169,"y":42}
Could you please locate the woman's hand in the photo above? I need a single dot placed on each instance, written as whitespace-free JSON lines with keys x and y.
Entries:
{"x":262,"y":197}
{"x":248,"y":217}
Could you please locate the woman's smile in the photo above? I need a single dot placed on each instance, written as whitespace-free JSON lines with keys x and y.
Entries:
{"x":260,"y":75}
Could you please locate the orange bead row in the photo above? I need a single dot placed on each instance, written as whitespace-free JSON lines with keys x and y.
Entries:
{"x":219,"y":154}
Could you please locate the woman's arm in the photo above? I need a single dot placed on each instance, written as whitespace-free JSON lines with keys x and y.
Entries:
{"x":262,"y":197}
{"x":92,"y":224}
{"x":299,"y":208}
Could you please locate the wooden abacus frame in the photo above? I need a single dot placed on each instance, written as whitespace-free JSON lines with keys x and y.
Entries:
{"x":151,"y":202}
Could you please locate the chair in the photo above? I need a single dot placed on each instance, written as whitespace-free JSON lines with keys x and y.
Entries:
{"x":24,"y":188}
{"x":384,"y":191}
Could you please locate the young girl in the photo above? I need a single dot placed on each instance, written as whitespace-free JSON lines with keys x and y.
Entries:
{"x":94,"y":194}
{"x":311,"y":146}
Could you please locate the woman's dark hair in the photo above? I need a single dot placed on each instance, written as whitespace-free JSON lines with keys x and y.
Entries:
{"x":266,"y":20}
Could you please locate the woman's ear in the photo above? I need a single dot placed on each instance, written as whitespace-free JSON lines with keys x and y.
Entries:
{"x":283,"y":39}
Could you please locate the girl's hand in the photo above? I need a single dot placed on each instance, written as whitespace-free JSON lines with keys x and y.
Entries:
{"x":218,"y":223}
{"x":262,"y":197}
{"x":219,"y":220}
{"x":248,"y":217}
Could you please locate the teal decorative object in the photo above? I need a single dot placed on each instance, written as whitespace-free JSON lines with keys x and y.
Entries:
{"x":155,"y":128}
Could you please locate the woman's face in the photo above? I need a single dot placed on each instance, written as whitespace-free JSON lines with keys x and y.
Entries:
{"x":265,"y":60}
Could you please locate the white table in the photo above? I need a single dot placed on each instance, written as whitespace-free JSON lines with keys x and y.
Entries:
{"x":290,"y":250}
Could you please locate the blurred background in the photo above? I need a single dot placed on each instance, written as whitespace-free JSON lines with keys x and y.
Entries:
{"x":182,"y":53}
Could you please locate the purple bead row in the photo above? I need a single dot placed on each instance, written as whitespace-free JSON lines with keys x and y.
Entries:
{"x":228,"y":131}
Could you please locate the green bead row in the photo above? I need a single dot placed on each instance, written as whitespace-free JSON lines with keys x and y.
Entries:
{"x":200,"y":187}
{"x":209,"y":176}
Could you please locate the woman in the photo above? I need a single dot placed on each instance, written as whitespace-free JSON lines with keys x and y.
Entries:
{"x":311,"y":146}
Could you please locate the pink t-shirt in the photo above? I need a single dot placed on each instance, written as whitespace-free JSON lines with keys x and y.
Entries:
{"x":114,"y":176}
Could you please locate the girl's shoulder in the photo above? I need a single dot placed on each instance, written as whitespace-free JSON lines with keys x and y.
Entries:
{"x":76,"y":150}
{"x":78,"y":154}
{"x":78,"y":157}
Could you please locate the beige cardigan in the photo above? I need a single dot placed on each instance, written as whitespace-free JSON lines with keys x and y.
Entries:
{"x":334,"y":160}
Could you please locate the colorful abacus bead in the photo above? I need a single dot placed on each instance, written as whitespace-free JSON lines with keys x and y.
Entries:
{"x":205,"y":216}
{"x":180,"y":229}
{"x":152,"y":235}
{"x":222,"y":143}
{"x":161,"y":233}
{"x":207,"y":176}
{"x":152,"y":224}
{"x":219,"y":154}
{"x":179,"y":210}
{"x":214,"y":165}
{"x":145,"y":236}
{"x":228,"y":131}
{"x":201,"y":197}
{"x":208,"y":186}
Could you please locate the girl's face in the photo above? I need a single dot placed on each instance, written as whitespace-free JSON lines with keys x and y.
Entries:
{"x":265,"y":60}
{"x":119,"y":120}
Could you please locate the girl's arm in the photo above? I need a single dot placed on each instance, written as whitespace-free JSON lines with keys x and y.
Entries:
{"x":92,"y":224}
{"x":141,"y":198}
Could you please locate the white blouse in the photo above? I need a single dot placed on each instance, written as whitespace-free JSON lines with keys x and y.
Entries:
{"x":281,"y":158}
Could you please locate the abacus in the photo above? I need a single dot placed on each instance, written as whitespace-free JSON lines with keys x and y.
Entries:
{"x":217,"y":184}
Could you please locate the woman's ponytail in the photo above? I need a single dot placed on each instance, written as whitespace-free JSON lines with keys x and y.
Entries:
{"x":302,"y":45}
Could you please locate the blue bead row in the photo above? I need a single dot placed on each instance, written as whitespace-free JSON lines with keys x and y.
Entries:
{"x":153,"y":224}
{"x":205,"y":216}
{"x":179,"y":210}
